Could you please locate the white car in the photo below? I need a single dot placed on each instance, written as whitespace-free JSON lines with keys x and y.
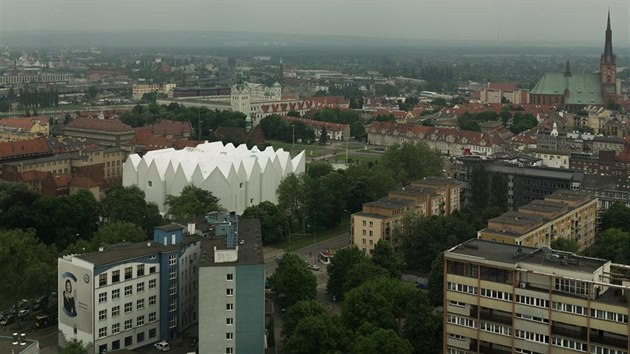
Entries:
{"x":162,"y":346}
{"x":313,"y":267}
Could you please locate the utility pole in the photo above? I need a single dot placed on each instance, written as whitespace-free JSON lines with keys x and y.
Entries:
{"x":293,"y":135}
{"x":199,"y":119}
{"x":347,"y":142}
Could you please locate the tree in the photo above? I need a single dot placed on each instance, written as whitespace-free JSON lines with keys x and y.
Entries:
{"x":150,"y":97}
{"x":362,"y":272}
{"x":295,"y":114}
{"x":617,"y":216}
{"x":317,"y":334}
{"x":339,"y":267}
{"x":117,"y":231}
{"x":91,"y":92}
{"x":128,"y":204}
{"x":565,"y":244}
{"x":412,"y":161}
{"x":380,"y":341}
{"x":383,"y":256}
{"x":435,"y":280}
{"x":192,"y":202}
{"x":28,"y":266}
{"x":465,"y":123}
{"x":422,"y":328}
{"x":323,"y":136}
{"x":613,"y":244}
{"x":273,"y":223}
{"x":522,"y":122}
{"x":293,"y":281}
{"x":74,"y":347}
{"x":298,"y":312}
{"x":291,"y":197}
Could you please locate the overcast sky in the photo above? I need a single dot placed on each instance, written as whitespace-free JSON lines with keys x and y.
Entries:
{"x":570,"y":21}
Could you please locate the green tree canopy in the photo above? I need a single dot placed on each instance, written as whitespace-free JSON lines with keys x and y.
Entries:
{"x":29,"y":266}
{"x":118,"y":231}
{"x":380,"y":341}
{"x":565,"y":244}
{"x":128,"y":204}
{"x":74,"y":347}
{"x":292,"y":197}
{"x":339,"y":267}
{"x":192,"y":202}
{"x":298,"y":312}
{"x":320,"y":334}
{"x":362,"y":272}
{"x":617,"y":216}
{"x":613,"y":244}
{"x":383,"y":256}
{"x":273,"y":223}
{"x":293,"y":281}
{"x":412,"y":161}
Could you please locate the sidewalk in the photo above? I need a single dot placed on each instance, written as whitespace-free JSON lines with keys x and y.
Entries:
{"x":272,"y":252}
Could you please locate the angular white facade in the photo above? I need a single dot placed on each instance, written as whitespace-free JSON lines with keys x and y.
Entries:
{"x":238,"y":176}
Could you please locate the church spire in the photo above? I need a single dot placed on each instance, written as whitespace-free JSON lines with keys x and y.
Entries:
{"x":567,"y":70}
{"x":608,"y":52}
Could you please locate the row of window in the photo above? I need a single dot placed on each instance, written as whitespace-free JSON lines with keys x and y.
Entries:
{"x":601,"y":350}
{"x":462,"y":288}
{"x":496,"y":328}
{"x":531,"y":336}
{"x":128,"y":324}
{"x":128,"y":290}
{"x":461,"y":321}
{"x":531,"y":318}
{"x":532,"y":301}
{"x":568,"y":343}
{"x":571,"y":286}
{"x":575,"y":309}
{"x":128,"y":307}
{"x":609,"y":316}
{"x":500,"y":295}
{"x":525,"y":351}
{"x":455,"y":351}
{"x":128,"y":341}
{"x":115,"y":274}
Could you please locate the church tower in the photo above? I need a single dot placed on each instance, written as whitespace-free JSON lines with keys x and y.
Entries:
{"x":608,"y":67}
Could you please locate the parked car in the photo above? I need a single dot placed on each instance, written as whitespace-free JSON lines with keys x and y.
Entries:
{"x":162,"y":346}
{"x":23,"y":313}
{"x":422,"y":286}
{"x":23,"y":304}
{"x":44,"y":321}
{"x":313,"y":267}
{"x":7,"y":320}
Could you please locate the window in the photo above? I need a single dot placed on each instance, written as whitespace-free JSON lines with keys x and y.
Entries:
{"x":229,"y":292}
{"x":128,"y":290}
{"x":532,"y":337}
{"x":152,"y":300}
{"x":172,"y":322}
{"x":229,"y":307}
{"x":152,"y":333}
{"x":102,"y":332}
{"x":152,"y":283}
{"x":140,"y":270}
{"x":115,"y":294}
{"x":229,"y":321}
{"x":462,"y":321}
{"x":128,"y":307}
{"x":229,"y":335}
{"x":140,"y":337}
{"x":102,"y":279}
{"x":172,"y":273}
{"x":152,"y":316}
{"x":115,"y":311}
{"x":102,"y":315}
{"x":128,"y":273}
{"x":172,"y":288}
{"x":229,"y":350}
{"x":140,"y":321}
{"x":462,"y":288}
{"x":140,"y":287}
{"x":505,"y":296}
{"x":152,"y":269}
{"x":115,"y":328}
{"x":128,"y":341}
{"x":102,"y":297}
{"x":140,"y":304}
{"x":364,"y":223}
{"x":496,"y":328}
{"x":172,"y":259}
{"x":230,"y":276}
{"x":571,"y":286}
{"x":371,"y":223}
{"x":460,"y":268}
{"x":150,"y":183}
{"x":172,"y":304}
{"x":532,"y":301}
{"x":128,"y":324}
{"x":115,"y":276}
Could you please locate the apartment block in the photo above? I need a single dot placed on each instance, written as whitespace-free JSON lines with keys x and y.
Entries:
{"x":126,"y":296}
{"x":563,"y":214}
{"x":232,"y":287}
{"x":378,"y":219}
{"x":501,"y":298}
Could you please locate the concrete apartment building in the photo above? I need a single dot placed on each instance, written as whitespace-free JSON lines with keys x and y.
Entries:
{"x":232,"y":287}
{"x":501,"y":298}
{"x":378,"y":219}
{"x":125,"y":296}
{"x":563,"y":214}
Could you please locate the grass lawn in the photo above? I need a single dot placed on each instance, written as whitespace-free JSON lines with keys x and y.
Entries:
{"x":300,"y":241}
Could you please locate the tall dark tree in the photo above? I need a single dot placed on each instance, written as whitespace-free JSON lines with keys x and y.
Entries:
{"x":380,"y":341}
{"x":480,"y":185}
{"x":293,"y":281}
{"x":412,"y":161}
{"x":323,"y":136}
{"x":384,"y":256}
{"x":617,"y":216}
{"x":339,"y":267}
{"x":320,"y":334}
{"x":128,"y":204}
{"x":298,"y":312}
{"x":273,"y":223}
{"x":193,"y":201}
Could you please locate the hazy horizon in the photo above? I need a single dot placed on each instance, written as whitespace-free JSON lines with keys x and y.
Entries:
{"x":572,"y":22}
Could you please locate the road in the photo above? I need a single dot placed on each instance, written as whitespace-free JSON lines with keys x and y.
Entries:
{"x":308,"y":253}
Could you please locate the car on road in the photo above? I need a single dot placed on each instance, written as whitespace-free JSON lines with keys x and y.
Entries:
{"x":313,"y":267}
{"x":7,"y":320}
{"x":162,"y":346}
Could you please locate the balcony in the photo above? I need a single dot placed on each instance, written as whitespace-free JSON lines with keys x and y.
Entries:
{"x":489,"y":348}
{"x":491,"y":315}
{"x":608,"y":339}
{"x":574,"y":332}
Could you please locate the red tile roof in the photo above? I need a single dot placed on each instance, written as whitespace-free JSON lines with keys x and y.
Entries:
{"x":36,"y":146}
{"x":109,"y":125}
{"x":82,"y":182}
{"x":503,"y":86}
{"x":171,"y":127}
{"x":22,"y":123}
{"x":436,"y":133}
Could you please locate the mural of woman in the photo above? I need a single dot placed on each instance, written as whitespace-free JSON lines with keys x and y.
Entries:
{"x":68,"y":300}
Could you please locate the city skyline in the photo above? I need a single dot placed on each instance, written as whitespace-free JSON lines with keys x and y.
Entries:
{"x":562,"y":21}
